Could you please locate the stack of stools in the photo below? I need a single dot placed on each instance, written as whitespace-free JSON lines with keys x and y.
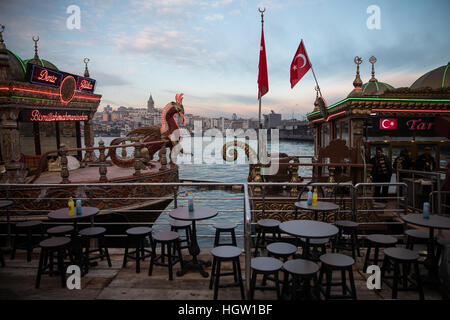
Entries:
{"x":49,"y":247}
{"x":266,"y":266}
{"x":266,"y":226}
{"x":279,"y":250}
{"x":227,"y":227}
{"x":176,"y":225}
{"x":302,"y":272}
{"x":87,"y":235}
{"x":347,"y":227}
{"x":26,"y":227}
{"x":402,"y":257}
{"x":343,"y":263}
{"x":137,"y":236}
{"x":377,"y":241}
{"x":223,"y":254}
{"x":169,"y":239}
{"x":415,"y":236}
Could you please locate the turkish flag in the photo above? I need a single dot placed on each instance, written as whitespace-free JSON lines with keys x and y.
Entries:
{"x":388,"y":124}
{"x":300,"y":65}
{"x":263,"y":81}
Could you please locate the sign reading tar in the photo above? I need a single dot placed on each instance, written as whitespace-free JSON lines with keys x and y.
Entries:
{"x":401,"y":126}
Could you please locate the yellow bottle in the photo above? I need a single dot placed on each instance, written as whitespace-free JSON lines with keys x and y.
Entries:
{"x":71,"y":206}
{"x":314,"y":197}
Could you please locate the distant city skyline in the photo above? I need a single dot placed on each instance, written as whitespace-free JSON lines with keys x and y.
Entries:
{"x":209,"y":50}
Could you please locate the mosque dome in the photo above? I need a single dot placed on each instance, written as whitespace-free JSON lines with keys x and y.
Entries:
{"x":435,"y":79}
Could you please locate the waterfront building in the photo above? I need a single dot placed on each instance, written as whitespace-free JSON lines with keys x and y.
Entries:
{"x":272,"y":120}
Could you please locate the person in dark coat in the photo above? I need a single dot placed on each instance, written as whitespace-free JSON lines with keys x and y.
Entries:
{"x":403,"y":162}
{"x":426,"y":162}
{"x":381,"y":171}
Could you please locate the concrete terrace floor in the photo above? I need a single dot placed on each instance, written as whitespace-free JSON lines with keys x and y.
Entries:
{"x":17,"y":281}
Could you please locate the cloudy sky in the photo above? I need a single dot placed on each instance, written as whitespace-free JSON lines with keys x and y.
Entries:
{"x":209,"y":49}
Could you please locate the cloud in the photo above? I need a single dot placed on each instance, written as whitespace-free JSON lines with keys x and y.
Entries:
{"x":213,"y":17}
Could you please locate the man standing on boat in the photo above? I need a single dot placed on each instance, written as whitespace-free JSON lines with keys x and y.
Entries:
{"x":381,"y":171}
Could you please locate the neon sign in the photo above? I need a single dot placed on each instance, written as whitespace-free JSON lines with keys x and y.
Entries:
{"x":41,"y":75}
{"x":401,"y":126}
{"x":51,"y":116}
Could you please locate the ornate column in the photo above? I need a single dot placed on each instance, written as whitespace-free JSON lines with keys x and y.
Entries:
{"x":89,"y":140}
{"x":9,"y":144}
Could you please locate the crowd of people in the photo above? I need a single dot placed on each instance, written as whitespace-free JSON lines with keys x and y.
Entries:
{"x":382,"y":168}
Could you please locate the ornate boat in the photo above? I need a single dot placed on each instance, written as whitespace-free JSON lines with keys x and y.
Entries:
{"x":43,"y":111}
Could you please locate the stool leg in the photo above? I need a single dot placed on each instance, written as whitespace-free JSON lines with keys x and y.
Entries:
{"x":344,"y":283}
{"x":277,"y":285}
{"x":124,"y":264}
{"x":138,"y":255}
{"x":418,"y":280}
{"x":61,"y":267}
{"x":396,"y":276}
{"x":328,"y":274}
{"x":14,"y":248}
{"x":169,"y":252}
{"x":102,"y":242}
{"x":216,"y":240}
{"x":384,"y":268}
{"x":153,"y":257}
{"x":86,"y":254}
{"x":252,"y":285}
{"x":239,"y":276}
{"x":376,"y":255}
{"x":258,"y":239}
{"x":366,"y":261}
{"x":233,"y":238}
{"x":216,"y":280}
{"x":29,"y":245}
{"x":405,"y":269}
{"x":180,"y":257}
{"x":212,"y":273}
{"x":352,"y":282}
{"x":40,"y":268}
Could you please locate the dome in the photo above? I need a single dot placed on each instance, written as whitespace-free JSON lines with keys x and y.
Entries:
{"x":435,"y":79}
{"x":375,"y":88}
{"x":16,"y":70}
{"x":41,"y":62}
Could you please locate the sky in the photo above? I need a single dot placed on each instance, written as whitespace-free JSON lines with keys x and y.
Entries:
{"x":209,"y":49}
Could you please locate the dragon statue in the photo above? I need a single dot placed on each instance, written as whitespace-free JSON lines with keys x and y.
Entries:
{"x":151,"y":133}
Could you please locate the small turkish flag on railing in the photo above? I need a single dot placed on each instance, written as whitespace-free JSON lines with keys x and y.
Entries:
{"x":300,"y":65}
{"x":263,"y":81}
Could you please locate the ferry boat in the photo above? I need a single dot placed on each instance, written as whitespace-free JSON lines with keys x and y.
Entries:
{"x":44,"y":112}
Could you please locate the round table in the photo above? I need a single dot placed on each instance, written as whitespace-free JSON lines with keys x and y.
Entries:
{"x":308,"y":229}
{"x":433,"y":222}
{"x":63,"y":215}
{"x":4,"y":204}
{"x":199,"y":213}
{"x":321,"y":206}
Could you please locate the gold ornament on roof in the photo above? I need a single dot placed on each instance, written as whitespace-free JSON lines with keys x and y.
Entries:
{"x":372,"y":60}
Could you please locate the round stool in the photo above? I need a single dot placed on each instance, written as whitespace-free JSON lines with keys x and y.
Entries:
{"x":304,"y":270}
{"x":281,"y":250}
{"x":225,"y":227}
{"x":347,"y":227}
{"x":265,"y":266}
{"x":266,"y":226}
{"x":402,"y":257}
{"x":415,"y":236}
{"x":176,"y":225}
{"x":377,"y":241}
{"x":94,"y":233}
{"x":338,"y":261}
{"x":137,"y":235}
{"x":169,"y":239}
{"x":26,"y":227}
{"x":48,"y":248}
{"x":221,"y":254}
{"x":60,"y":231}
{"x":315,"y":244}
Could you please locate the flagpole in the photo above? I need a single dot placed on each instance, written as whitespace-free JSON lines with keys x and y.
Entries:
{"x":312,"y":69}
{"x":259,"y":93}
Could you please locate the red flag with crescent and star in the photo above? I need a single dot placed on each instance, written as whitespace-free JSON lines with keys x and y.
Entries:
{"x":300,"y":65}
{"x":263,"y":80}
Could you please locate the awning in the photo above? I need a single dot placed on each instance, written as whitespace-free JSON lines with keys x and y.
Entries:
{"x":442,"y":126}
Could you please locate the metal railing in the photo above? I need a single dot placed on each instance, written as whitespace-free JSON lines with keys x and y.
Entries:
{"x":245,"y":192}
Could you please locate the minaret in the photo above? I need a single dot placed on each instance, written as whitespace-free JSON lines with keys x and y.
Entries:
{"x":151,"y":105}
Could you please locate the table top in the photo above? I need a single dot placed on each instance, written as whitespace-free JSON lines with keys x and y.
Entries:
{"x":320,"y":206}
{"x":435,"y":221}
{"x":63,"y":214}
{"x":199,"y":213}
{"x":5,"y":203}
{"x":309,"y":229}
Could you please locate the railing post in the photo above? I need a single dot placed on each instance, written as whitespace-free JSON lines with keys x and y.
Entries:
{"x":247,"y":239}
{"x":102,"y":168}
{"x":354,"y":195}
{"x":64,"y":168}
{"x":137,"y":159}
